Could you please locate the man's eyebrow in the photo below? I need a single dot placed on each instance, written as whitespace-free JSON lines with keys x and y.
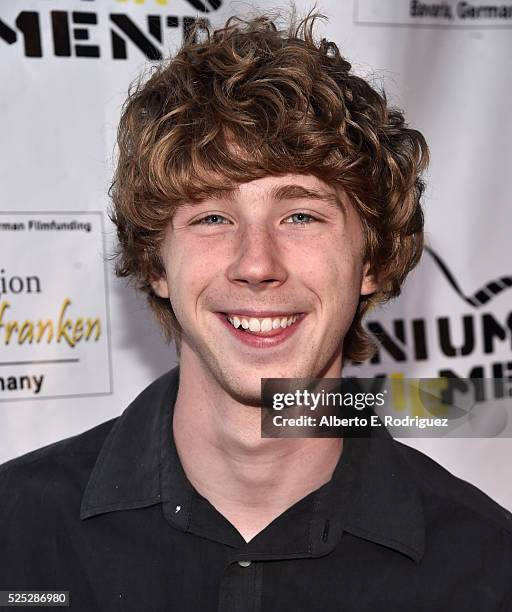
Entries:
{"x":296,"y":192}
{"x":291,"y":192}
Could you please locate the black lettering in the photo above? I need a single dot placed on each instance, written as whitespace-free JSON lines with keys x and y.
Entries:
{"x":19,"y":284}
{"x":83,"y":34}
{"x":135,"y":35}
{"x":24,"y":382}
{"x":61,"y":39}
{"x":27,"y":23}
{"x":387,"y":342}
{"x":420,"y":339}
{"x":492,"y":329}
{"x":446,"y":344}
{"x":476,"y":376}
{"x":37,"y":282}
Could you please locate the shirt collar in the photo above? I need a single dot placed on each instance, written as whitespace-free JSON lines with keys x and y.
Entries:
{"x":128,"y":471}
{"x":385,"y":503}
{"x":371,"y":495}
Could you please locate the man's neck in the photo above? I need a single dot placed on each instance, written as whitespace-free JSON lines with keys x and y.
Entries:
{"x":249,"y":479}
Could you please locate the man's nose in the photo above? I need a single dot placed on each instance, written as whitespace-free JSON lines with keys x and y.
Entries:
{"x":257,"y":258}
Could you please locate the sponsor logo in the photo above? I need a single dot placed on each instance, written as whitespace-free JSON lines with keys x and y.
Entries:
{"x":54,"y":328}
{"x":65,"y":33}
{"x":450,"y":341}
{"x":481,"y":296}
{"x":418,"y":13}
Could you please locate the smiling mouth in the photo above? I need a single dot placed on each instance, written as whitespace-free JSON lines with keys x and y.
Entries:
{"x":262,"y":325}
{"x":261,"y":332}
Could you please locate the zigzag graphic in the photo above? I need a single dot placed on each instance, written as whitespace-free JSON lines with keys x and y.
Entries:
{"x":484,"y":294}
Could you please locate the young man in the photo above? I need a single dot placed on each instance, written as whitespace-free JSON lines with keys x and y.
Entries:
{"x":265,"y":198}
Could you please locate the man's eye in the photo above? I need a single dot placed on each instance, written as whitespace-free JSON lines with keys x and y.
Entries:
{"x":302,"y":218}
{"x":210,"y":220}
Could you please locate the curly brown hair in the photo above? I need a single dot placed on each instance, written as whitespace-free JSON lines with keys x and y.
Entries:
{"x":291,"y":105}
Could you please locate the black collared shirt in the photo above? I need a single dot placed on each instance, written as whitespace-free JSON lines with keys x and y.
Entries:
{"x":110,"y":516}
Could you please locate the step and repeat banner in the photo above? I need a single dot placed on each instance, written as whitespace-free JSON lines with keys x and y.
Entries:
{"x":77,"y":344}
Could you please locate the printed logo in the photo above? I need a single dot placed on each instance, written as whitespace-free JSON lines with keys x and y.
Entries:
{"x":54,"y":327}
{"x":413,"y":13}
{"x":450,"y":332}
{"x":480,"y":297}
{"x":65,"y":33}
{"x":204,"y":7}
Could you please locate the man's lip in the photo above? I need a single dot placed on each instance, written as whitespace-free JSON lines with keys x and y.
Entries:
{"x":260,"y":314}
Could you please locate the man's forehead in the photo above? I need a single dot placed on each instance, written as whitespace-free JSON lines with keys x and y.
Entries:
{"x":284,"y":188}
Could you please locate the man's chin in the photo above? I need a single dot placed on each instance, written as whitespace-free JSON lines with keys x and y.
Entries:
{"x":245,"y":388}
{"x":244,"y":394}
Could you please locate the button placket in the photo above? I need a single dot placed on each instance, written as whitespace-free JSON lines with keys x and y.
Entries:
{"x":241,"y":587}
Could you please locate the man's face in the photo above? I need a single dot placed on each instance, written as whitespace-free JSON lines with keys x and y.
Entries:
{"x":274,"y":249}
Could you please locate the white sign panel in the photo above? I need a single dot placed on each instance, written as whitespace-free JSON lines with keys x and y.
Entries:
{"x":54,"y":331}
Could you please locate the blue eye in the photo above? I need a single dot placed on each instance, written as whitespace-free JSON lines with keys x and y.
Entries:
{"x":306,"y":218}
{"x":214,"y":217}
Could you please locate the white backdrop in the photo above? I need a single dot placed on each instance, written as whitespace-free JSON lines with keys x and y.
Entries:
{"x":77,"y":345}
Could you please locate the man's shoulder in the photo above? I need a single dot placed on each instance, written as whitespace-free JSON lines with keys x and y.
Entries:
{"x":451,"y":497}
{"x":67,"y":462}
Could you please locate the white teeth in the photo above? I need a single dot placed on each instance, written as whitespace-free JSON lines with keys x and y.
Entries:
{"x":266,"y":325}
{"x":254,"y":325}
{"x":261,"y":325}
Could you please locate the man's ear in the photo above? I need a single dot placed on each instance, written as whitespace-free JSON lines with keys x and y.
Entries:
{"x":369,"y":283}
{"x":159,"y":286}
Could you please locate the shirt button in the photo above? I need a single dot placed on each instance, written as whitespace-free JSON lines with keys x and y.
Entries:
{"x":244,"y":563}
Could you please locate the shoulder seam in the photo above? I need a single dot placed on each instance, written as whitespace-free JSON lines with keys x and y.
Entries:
{"x":45,"y":452}
{"x":506,"y":515}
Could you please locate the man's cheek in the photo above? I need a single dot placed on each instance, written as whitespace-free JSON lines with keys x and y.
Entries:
{"x":178,"y":299}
